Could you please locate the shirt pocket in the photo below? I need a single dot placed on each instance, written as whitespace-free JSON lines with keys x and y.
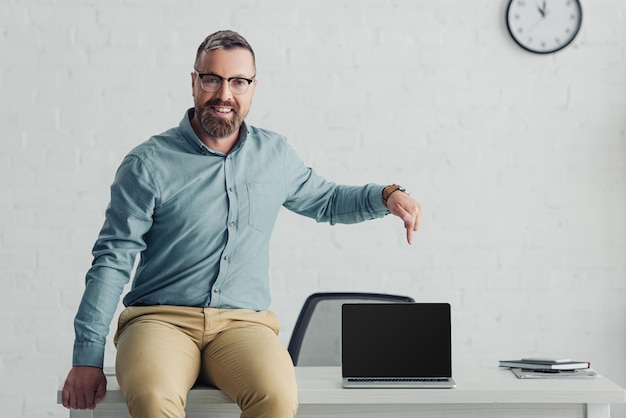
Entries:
{"x":264,"y":201}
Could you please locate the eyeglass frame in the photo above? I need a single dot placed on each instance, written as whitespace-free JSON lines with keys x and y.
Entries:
{"x":222,"y":79}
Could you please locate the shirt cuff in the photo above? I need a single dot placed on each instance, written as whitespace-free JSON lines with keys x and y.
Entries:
{"x":376,"y":200}
{"x":88,"y":354}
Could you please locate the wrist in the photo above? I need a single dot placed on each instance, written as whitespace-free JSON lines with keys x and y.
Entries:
{"x":389,"y":190}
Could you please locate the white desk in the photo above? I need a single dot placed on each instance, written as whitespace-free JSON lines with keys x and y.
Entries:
{"x":485,"y":393}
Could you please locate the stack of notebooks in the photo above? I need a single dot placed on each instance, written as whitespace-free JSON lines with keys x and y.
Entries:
{"x":549,"y":368}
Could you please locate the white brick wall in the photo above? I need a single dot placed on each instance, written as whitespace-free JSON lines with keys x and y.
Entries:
{"x":519,"y":161}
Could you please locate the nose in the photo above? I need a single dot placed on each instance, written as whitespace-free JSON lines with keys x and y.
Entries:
{"x":224,"y":92}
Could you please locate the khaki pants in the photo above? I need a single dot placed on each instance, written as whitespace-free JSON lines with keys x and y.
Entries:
{"x":163,"y":350}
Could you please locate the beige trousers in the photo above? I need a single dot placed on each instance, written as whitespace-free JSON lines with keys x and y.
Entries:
{"x":163,"y":350}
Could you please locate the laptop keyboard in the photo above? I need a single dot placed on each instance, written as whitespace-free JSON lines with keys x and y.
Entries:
{"x":397,"y":379}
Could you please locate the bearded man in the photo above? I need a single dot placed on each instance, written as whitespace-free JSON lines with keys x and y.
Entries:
{"x":198,"y":203}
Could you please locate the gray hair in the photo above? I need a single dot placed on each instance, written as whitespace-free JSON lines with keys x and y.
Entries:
{"x":223,"y":39}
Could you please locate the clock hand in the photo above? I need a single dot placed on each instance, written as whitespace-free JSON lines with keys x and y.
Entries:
{"x":545,"y":12}
{"x":542,"y":10}
{"x":530,"y":29}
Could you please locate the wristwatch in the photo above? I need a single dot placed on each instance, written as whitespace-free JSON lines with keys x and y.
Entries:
{"x":387,"y":191}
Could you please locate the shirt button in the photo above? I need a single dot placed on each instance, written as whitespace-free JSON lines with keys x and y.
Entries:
{"x":215,"y":290}
{"x":232,"y":224}
{"x":225,"y":258}
{"x":230,"y":189}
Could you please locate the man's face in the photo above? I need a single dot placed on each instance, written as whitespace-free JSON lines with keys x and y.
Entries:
{"x":221,"y":113}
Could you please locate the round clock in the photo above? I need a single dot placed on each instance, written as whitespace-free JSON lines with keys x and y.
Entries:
{"x":543,"y":26}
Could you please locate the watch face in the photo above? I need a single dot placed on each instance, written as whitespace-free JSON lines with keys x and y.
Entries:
{"x":543,"y":26}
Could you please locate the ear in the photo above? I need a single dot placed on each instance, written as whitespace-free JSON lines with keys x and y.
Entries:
{"x":193,"y":83}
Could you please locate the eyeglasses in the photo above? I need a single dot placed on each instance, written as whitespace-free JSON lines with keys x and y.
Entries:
{"x":212,"y":82}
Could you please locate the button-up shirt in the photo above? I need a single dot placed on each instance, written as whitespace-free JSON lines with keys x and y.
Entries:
{"x":201,"y":221}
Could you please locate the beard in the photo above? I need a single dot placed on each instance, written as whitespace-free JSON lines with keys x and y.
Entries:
{"x":219,"y":127}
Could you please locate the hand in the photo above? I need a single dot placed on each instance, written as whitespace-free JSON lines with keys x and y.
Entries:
{"x":84,"y":387}
{"x":403,"y":206}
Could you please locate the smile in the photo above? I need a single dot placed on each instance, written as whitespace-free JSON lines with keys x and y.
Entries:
{"x":223,"y":109}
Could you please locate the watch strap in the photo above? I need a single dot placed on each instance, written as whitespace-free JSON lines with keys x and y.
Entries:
{"x":389,"y":190}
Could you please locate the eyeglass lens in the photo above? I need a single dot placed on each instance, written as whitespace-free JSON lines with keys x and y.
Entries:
{"x":212,"y":84}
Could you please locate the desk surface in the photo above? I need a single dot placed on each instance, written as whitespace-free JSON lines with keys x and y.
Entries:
{"x":480,"y":392}
{"x":322,"y":385}
{"x":479,"y":385}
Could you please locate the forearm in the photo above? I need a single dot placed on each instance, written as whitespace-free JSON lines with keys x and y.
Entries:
{"x":352,"y":204}
{"x":95,"y":313}
{"x":326,"y":201}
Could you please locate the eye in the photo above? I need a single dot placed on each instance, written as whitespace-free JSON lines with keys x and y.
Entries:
{"x":211,"y":80}
{"x":240,"y":82}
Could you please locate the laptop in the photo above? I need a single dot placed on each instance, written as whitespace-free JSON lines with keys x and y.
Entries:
{"x":396,"y":345}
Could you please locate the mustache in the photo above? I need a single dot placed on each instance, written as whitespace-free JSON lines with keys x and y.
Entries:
{"x":221,"y":103}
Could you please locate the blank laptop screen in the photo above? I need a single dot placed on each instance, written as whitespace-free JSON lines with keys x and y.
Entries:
{"x":396,"y":340}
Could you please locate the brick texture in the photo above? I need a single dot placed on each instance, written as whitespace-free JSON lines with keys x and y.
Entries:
{"x":519,"y":161}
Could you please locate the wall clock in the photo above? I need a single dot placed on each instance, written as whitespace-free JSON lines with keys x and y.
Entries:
{"x":543,"y":26}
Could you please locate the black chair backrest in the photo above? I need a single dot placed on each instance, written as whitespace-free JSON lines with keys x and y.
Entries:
{"x":316,"y":338}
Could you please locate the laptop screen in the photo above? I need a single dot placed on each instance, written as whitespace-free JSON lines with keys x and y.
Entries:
{"x":396,"y":340}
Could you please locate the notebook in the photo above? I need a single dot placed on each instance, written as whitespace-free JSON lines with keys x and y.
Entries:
{"x":396,"y":345}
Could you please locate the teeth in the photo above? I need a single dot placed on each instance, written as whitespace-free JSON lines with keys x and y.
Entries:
{"x":222,"y":109}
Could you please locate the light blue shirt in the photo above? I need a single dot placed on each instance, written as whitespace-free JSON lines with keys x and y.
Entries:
{"x":202,"y":222}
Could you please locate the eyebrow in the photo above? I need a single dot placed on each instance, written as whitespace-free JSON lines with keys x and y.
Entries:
{"x":235,"y":76}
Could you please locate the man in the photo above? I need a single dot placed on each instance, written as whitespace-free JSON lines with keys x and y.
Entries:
{"x":199,"y":203}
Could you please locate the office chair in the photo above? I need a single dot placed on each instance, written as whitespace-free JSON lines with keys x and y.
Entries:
{"x":316,"y":338}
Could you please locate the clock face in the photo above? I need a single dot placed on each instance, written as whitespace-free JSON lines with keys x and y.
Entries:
{"x":543,"y":26}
